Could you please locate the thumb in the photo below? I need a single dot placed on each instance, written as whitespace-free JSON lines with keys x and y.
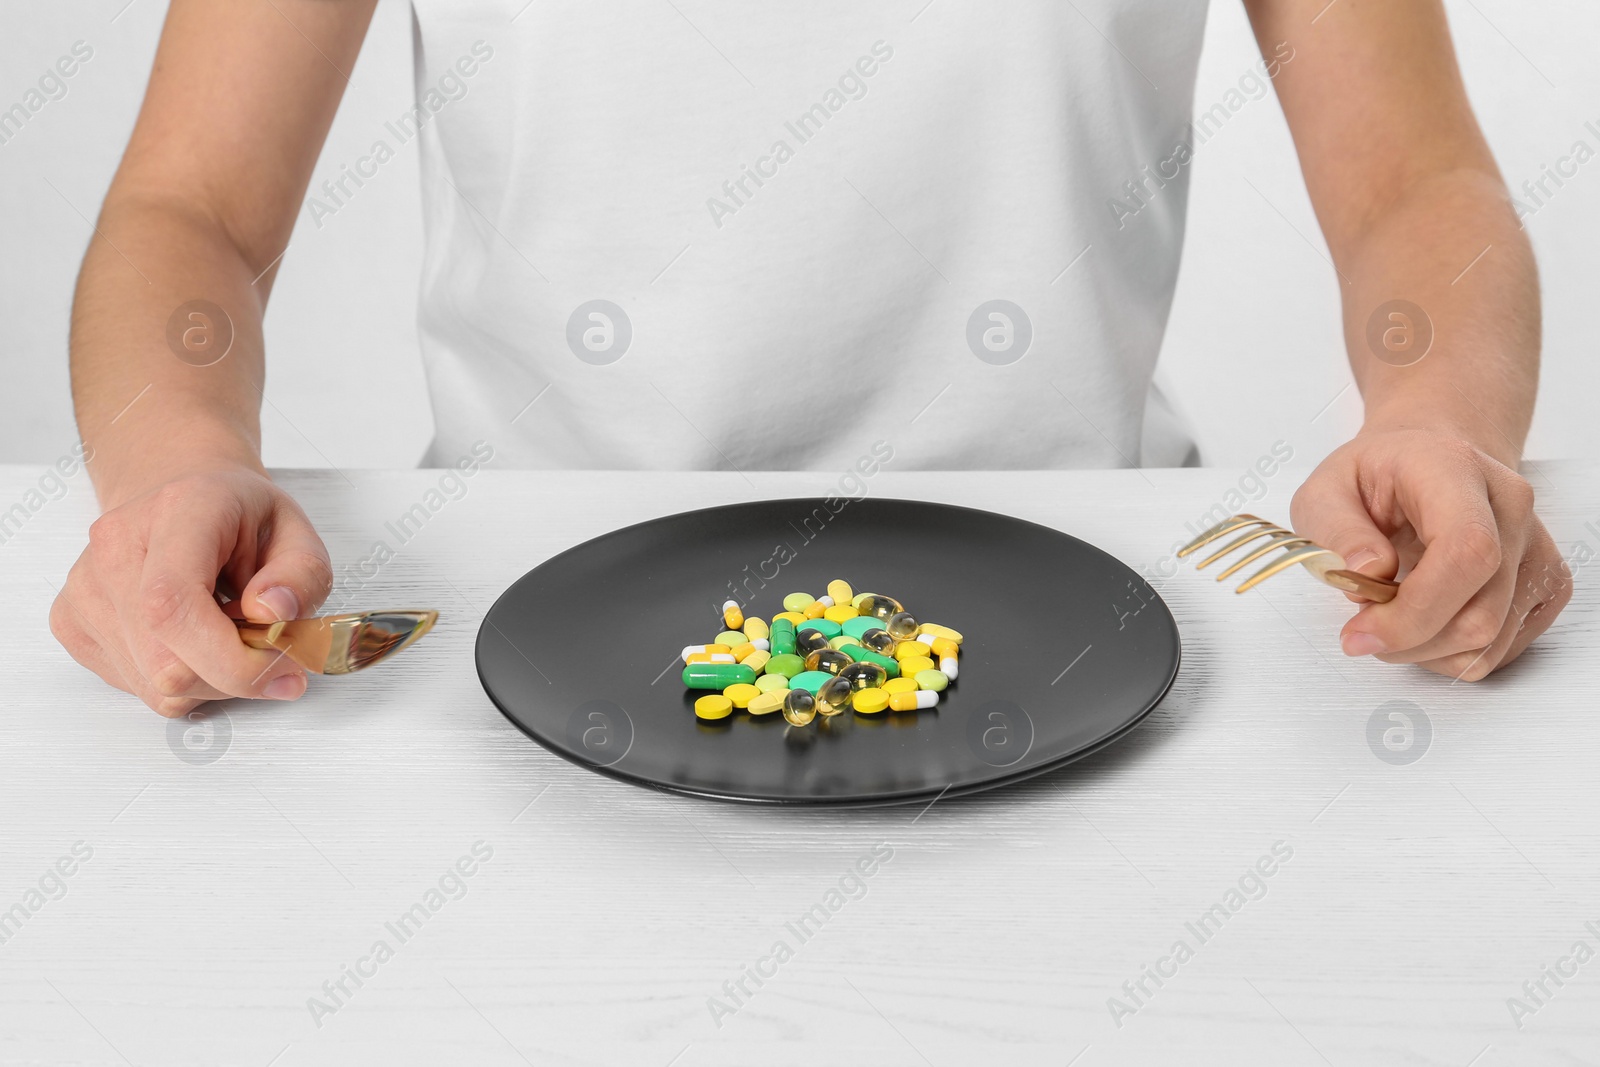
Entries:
{"x":293,"y":574}
{"x":1330,"y":511}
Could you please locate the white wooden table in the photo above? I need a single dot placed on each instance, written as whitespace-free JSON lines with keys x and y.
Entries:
{"x":238,"y":868}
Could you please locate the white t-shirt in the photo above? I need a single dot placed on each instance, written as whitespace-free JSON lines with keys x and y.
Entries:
{"x":707,"y":234}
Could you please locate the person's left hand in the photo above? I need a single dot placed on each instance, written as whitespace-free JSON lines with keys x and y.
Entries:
{"x":1483,"y":576}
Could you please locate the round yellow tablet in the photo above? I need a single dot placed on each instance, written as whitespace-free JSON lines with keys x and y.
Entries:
{"x":793,"y":616}
{"x":715,"y":706}
{"x":840,"y":613}
{"x":768,"y":702}
{"x":742,"y":694}
{"x":920,"y":663}
{"x":896,"y":685}
{"x":869,"y":701}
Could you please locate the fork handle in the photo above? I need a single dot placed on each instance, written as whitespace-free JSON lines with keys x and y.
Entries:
{"x":1378,"y":590}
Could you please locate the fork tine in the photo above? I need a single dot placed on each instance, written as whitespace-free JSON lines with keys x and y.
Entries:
{"x":1221,"y":529}
{"x":1265,"y":531}
{"x":1299,"y":555}
{"x":1287,"y":539}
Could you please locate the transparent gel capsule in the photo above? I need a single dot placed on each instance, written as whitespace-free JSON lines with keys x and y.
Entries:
{"x":809,"y":641}
{"x":879,"y":606}
{"x":830,"y":660}
{"x":879,"y":640}
{"x":901,"y":626}
{"x":799,"y":707}
{"x":864,"y":676}
{"x":834,"y":697}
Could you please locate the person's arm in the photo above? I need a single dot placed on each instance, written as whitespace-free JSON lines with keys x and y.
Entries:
{"x":1414,"y":209}
{"x":239,"y":102}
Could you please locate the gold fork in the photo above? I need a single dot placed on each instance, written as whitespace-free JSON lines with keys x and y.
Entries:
{"x":1327,"y":565}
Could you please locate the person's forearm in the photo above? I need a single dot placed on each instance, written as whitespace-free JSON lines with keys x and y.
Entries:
{"x":1452,"y":247}
{"x":149,"y":413}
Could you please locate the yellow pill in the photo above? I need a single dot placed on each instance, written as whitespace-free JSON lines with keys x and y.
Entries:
{"x":715,"y":706}
{"x":755,"y":629}
{"x":906,"y":650}
{"x":869,"y":701}
{"x":793,"y":616}
{"x":709,"y":657}
{"x":899,"y":685}
{"x":840,"y":613}
{"x":767,"y":702}
{"x":797,"y":601}
{"x":941,"y":647}
{"x":816,"y":609}
{"x":912,"y":666}
{"x":769,"y":683}
{"x":940,"y":631}
{"x":915,"y":700}
{"x":741,"y":694}
{"x":742,"y":652}
{"x":757,"y":660}
{"x":689,"y":650}
{"x":841,"y":592}
{"x":732,"y":617}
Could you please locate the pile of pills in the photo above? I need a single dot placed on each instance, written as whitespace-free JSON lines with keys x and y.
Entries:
{"x":821,"y":656}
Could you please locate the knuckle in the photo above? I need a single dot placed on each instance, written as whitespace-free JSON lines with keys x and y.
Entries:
{"x":318,"y":572}
{"x":1478,"y":627}
{"x":173,"y":707}
{"x":108,"y":533}
{"x":1518,"y":493}
{"x":174,"y":679}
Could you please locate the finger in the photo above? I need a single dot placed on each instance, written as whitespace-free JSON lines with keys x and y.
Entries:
{"x":83,"y":641}
{"x":294,"y":575}
{"x":1332,"y":513}
{"x":1462,"y":551}
{"x":1482,"y":624}
{"x":1544,"y":588}
{"x":185,"y":636}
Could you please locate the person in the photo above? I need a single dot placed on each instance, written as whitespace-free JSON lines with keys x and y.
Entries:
{"x":671,"y":236}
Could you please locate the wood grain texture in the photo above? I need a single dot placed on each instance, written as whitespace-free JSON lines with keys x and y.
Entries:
{"x":221,"y":896}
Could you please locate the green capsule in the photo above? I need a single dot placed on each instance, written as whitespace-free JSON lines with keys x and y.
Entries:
{"x":717,"y":676}
{"x":810,"y":681}
{"x":890,"y":665}
{"x":786,"y":664}
{"x":827,"y":627}
{"x":782,"y":637}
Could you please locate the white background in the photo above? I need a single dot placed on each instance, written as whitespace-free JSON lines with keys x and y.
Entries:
{"x":1253,"y":352}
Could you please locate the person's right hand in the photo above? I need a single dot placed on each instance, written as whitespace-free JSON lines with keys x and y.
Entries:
{"x":139,"y":606}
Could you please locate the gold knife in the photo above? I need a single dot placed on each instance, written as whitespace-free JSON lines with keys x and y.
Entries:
{"x":339,"y":644}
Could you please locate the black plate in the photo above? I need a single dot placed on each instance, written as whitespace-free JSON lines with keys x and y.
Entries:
{"x":1066,"y":650}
